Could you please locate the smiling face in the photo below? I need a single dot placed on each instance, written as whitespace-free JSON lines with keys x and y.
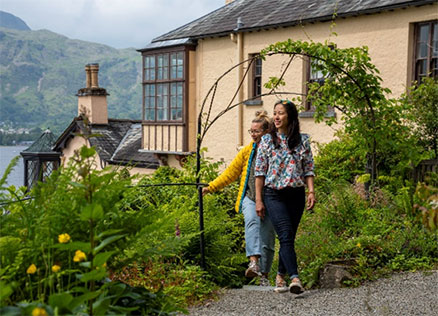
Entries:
{"x":256,"y":131}
{"x":280,"y":118}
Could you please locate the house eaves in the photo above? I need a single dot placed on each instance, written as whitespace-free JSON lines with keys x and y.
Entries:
{"x":267,"y":14}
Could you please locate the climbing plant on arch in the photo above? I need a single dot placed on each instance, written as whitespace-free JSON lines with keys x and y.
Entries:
{"x":352,"y":86}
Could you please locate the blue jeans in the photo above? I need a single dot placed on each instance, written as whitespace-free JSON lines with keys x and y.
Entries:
{"x":259,"y":236}
{"x":285,"y":208}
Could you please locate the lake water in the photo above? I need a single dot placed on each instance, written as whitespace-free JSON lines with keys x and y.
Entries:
{"x":16,"y":177}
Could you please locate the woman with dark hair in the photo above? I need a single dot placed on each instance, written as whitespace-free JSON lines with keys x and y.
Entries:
{"x":284,"y":167}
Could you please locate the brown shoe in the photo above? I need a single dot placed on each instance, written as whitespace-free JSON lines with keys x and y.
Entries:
{"x":253,"y":270}
{"x":296,"y":287}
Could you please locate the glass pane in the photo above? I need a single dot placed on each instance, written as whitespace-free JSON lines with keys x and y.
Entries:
{"x":165,"y":73}
{"x":180,"y":59}
{"x":162,"y":115}
{"x":150,"y":114}
{"x":160,"y":60}
{"x":176,"y":114}
{"x":147,"y":74}
{"x":160,"y":73}
{"x":179,"y":101}
{"x":422,"y":50}
{"x":173,"y":101}
{"x":435,"y":40}
{"x":424,"y":33}
{"x":165,"y":89}
{"x":152,"y":74}
{"x":173,"y":59}
{"x":434,"y":67}
{"x":421,"y":68}
{"x":173,"y":88}
{"x":165,"y":60}
{"x":173,"y":72}
{"x":258,"y":71}
{"x":180,"y":88}
{"x":180,"y":72}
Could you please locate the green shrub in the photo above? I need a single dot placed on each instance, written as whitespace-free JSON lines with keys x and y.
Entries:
{"x":372,"y":236}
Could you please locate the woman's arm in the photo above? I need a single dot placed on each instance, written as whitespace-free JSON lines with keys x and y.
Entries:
{"x":311,"y":192}
{"x":232,"y":173}
{"x":260,"y":207}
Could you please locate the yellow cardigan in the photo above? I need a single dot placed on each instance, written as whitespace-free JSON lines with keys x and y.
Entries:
{"x":238,"y":167}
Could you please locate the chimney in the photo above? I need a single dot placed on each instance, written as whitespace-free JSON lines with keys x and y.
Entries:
{"x":92,"y":99}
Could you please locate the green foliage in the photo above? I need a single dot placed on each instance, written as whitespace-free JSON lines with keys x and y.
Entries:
{"x":353,"y":86}
{"x":422,"y":101}
{"x":173,"y":230}
{"x":426,"y":198}
{"x":342,"y":159}
{"x":374,"y":238}
{"x":65,"y":239}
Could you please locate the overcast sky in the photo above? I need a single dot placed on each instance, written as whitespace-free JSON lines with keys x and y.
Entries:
{"x":117,"y":23}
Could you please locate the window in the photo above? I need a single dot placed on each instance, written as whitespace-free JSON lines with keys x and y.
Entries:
{"x":256,"y":78}
{"x":426,"y":50}
{"x":163,"y":86}
{"x":314,"y":75}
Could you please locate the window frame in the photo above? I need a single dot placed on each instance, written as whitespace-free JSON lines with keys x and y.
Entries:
{"x":309,"y":110}
{"x":256,"y":79}
{"x":429,"y":58}
{"x":168,"y":81}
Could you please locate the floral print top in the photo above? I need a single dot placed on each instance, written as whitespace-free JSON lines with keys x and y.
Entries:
{"x":281,"y":167}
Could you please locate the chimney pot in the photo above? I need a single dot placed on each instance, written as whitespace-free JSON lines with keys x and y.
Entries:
{"x":88,"y":76}
{"x":94,"y":75}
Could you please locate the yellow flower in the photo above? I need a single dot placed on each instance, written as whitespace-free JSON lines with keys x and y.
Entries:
{"x":358,"y":245}
{"x":32,"y":269}
{"x":64,"y":238}
{"x":79,"y":256}
{"x":56,"y":268}
{"x":38,"y":311}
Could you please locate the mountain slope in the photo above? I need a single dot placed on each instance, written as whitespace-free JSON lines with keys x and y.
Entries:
{"x":10,"y":21}
{"x":41,"y":71}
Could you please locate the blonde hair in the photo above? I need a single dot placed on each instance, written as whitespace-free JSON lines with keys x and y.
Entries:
{"x":262,"y":117}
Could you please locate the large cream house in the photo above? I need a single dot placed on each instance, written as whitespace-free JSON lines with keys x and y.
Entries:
{"x":180,"y":67}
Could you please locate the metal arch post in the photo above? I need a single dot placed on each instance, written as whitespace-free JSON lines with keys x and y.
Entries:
{"x":200,"y":197}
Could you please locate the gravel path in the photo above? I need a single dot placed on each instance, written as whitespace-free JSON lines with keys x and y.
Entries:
{"x":402,"y":294}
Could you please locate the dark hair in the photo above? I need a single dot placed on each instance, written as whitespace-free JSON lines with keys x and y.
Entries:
{"x":293,"y":125}
{"x":262,"y":117}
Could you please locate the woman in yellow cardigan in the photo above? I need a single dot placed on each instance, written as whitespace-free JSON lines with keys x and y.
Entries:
{"x":259,"y":232}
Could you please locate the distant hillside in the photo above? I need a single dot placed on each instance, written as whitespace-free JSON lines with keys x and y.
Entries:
{"x":41,"y":71}
{"x":10,"y":21}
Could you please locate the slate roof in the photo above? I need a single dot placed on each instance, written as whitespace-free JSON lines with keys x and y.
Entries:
{"x":265,"y":14}
{"x":43,"y":144}
{"x":117,"y":142}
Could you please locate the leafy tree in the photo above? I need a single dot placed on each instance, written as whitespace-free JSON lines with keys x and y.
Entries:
{"x":423,"y":102}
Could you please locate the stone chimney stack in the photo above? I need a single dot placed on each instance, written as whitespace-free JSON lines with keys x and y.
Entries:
{"x":92,"y":99}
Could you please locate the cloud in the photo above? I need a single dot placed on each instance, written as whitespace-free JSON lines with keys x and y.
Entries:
{"x":118,"y":23}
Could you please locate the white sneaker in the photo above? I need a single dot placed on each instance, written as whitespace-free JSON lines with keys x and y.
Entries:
{"x":296,"y":287}
{"x":280,"y":286}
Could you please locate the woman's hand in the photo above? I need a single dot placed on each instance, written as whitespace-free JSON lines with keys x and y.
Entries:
{"x":311,"y":200}
{"x":260,"y":209}
{"x":205,"y":190}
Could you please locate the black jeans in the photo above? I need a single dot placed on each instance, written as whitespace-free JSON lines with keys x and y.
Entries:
{"x":285,"y":208}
